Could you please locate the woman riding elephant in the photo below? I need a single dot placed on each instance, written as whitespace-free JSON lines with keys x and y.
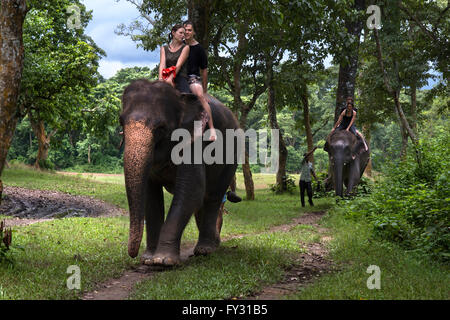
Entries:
{"x":172,"y":66}
{"x":347,"y":120}
{"x":173,"y":69}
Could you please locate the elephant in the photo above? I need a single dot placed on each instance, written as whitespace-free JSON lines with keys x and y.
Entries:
{"x":151,"y":112}
{"x":348,"y":159}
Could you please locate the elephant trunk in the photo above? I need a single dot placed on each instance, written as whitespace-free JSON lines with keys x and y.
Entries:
{"x":137,"y":159}
{"x":338,"y":171}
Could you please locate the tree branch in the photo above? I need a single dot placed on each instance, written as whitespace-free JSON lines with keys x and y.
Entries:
{"x":430,"y":34}
{"x":321,"y":127}
{"x":143,"y":15}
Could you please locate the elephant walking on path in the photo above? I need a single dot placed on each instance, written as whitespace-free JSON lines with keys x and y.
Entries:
{"x":152,"y":111}
{"x":348,"y":159}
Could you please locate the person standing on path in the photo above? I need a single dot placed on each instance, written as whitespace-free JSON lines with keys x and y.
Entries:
{"x":305,"y":178}
{"x":197,"y":64}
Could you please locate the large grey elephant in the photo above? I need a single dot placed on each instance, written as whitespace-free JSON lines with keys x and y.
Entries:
{"x":151,"y":113}
{"x":348,"y":159}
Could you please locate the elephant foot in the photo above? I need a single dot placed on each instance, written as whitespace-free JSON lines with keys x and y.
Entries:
{"x":165,"y":260}
{"x":147,"y":257}
{"x":204,"y":249}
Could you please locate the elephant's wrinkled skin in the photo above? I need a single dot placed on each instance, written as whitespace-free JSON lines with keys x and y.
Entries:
{"x":348,"y":160}
{"x":151,"y":112}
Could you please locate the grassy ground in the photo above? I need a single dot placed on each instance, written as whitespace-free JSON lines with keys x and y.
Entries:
{"x":403,"y":275}
{"x":98,"y":247}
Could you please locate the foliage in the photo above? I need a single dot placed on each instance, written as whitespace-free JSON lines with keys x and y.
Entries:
{"x":404,"y":275}
{"x":290,"y":186}
{"x":411,"y":205}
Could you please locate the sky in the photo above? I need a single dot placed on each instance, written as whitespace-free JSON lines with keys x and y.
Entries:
{"x":121,"y":51}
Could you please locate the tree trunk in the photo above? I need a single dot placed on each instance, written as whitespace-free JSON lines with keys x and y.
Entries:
{"x":404,"y":135}
{"x":89,"y":154}
{"x":414,"y":107}
{"x":306,"y":120}
{"x":396,"y":96}
{"x":248,"y":179}
{"x":43,"y":140}
{"x":12,"y":16}
{"x":199,"y":12}
{"x":272,"y":111}
{"x":367,"y":134}
{"x":349,"y":61}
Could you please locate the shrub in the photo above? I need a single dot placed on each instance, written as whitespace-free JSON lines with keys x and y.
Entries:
{"x":411,"y":204}
{"x":289,"y":181}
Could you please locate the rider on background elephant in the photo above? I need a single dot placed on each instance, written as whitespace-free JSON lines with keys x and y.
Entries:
{"x":347,"y":121}
{"x":348,"y":152}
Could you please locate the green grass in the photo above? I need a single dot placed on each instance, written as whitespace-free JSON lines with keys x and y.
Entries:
{"x":240,"y":267}
{"x":96,"y":245}
{"x":99,"y":246}
{"x":404,"y":275}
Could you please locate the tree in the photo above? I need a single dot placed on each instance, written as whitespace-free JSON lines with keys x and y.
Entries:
{"x":348,"y":57}
{"x":12,"y":16}
{"x":60,"y":69}
{"x":401,"y":58}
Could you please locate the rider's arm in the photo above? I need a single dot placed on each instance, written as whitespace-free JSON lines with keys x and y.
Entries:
{"x":183,"y":57}
{"x":339,"y":121}
{"x":162,"y":63}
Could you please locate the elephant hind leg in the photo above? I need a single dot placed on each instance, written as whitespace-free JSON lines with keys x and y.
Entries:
{"x":208,"y":221}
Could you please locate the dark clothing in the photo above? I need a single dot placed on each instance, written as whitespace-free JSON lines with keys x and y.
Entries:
{"x":305,"y":182}
{"x":181,"y":82}
{"x":197,"y":60}
{"x":306,"y":186}
{"x":172,"y":59}
{"x":345,"y":123}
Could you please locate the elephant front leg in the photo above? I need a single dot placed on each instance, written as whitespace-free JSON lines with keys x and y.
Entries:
{"x":188,"y":196}
{"x":353,"y":177}
{"x":154,"y":218}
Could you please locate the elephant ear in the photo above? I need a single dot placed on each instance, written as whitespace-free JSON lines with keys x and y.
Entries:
{"x":358,"y":147}
{"x":191,"y":111}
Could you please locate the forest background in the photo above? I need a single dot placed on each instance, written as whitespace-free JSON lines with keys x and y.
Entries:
{"x":266,"y":63}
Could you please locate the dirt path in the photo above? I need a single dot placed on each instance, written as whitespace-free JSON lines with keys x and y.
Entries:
{"x":121,"y":288}
{"x":33,"y":206}
{"x":312,"y":264}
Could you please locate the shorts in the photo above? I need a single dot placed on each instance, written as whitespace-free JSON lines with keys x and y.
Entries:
{"x":193,"y":78}
{"x":343,"y":127}
{"x":181,"y":84}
